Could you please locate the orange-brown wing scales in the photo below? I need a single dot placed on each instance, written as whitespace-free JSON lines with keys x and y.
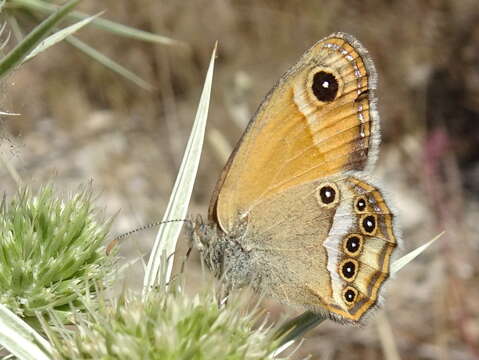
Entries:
{"x":295,"y":137}
{"x":361,"y":254}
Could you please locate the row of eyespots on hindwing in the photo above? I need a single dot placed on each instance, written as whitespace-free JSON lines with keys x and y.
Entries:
{"x":367,"y":220}
{"x":353,"y":245}
{"x":349,"y":266}
{"x":328,"y":196}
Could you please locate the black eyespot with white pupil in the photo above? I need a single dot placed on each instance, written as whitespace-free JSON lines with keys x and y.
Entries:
{"x":369,"y":223}
{"x":325,"y":86}
{"x":327,"y":194}
{"x":361,"y":204}
{"x":348,"y":269}
{"x":350,"y":295}
{"x":353,"y":244}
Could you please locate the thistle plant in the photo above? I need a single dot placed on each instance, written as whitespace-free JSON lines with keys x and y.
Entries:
{"x":48,"y":248}
{"x":168,"y":324}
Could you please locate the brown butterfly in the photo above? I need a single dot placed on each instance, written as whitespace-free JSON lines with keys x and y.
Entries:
{"x":295,"y":213}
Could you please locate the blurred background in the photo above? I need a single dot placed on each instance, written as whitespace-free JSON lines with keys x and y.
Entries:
{"x":80,"y":121}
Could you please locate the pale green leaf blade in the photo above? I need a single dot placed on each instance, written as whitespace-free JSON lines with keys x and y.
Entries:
{"x":165,"y":242}
{"x":406,"y":259}
{"x":58,"y":36}
{"x":108,"y":62}
{"x":15,"y":57}
{"x":20,"y":339}
{"x":107,"y":25}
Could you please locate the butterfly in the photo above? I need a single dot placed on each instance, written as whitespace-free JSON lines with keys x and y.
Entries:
{"x":295,"y":213}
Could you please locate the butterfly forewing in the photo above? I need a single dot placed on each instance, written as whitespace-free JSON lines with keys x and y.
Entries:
{"x":319,"y":120}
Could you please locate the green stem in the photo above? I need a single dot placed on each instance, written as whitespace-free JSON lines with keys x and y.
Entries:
{"x":299,"y":325}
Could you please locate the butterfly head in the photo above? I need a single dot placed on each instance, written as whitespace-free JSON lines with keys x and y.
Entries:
{"x":200,"y":233}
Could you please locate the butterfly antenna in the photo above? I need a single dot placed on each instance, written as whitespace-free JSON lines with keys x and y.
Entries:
{"x":116,"y":240}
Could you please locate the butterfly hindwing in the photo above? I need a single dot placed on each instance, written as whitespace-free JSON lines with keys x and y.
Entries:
{"x":325,"y":245}
{"x":359,"y":252}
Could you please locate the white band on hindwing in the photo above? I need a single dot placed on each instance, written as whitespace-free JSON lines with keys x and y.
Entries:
{"x":342,"y":225}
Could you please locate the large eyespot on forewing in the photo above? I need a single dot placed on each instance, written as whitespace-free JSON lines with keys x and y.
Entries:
{"x":324,"y":85}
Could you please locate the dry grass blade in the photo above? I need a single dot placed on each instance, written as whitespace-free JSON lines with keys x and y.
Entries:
{"x":400,"y":263}
{"x":390,"y":349}
{"x":4,"y":113}
{"x":107,"y":25}
{"x":108,"y":62}
{"x":11,"y":170}
{"x":4,"y":42}
{"x":165,"y":242}
{"x":58,"y":36}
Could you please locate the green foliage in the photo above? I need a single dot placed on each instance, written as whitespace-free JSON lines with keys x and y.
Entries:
{"x":23,"y":13}
{"x":168,"y":325}
{"x":48,"y":248}
{"x":24,"y":47}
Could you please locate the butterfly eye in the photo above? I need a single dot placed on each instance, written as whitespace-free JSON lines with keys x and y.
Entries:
{"x":353,"y":244}
{"x":350,"y":294}
{"x":368,"y":224}
{"x":361,"y":204}
{"x":328,"y":195}
{"x":349,"y":269}
{"x":325,"y":86}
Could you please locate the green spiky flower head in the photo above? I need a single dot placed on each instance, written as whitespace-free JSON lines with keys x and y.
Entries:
{"x":49,"y":248}
{"x":168,"y":325}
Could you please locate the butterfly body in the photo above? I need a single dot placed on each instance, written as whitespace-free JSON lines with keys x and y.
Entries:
{"x":295,"y":214}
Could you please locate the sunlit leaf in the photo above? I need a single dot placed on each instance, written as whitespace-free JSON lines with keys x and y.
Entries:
{"x":20,"y":339}
{"x":165,"y":242}
{"x":57,"y":37}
